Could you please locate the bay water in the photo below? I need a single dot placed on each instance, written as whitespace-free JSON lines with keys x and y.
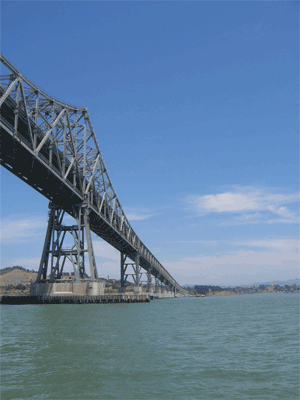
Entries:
{"x":230,"y":347}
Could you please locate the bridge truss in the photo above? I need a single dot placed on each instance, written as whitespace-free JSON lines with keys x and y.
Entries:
{"x":53,"y":148}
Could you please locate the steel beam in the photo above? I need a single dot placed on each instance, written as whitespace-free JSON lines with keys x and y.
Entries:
{"x":54,"y":252}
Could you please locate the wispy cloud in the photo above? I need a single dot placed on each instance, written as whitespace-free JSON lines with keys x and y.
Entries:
{"x":248,"y":205}
{"x":105,"y":250}
{"x":273,"y":244}
{"x":237,"y":267}
{"x":138,"y":214}
{"x":21,"y":228}
{"x":205,"y":242}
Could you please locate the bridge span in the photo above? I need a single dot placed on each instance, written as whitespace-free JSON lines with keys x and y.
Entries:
{"x":52,"y":147}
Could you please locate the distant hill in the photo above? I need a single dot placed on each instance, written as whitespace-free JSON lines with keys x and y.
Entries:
{"x":16,"y":280}
{"x":15,"y":268}
{"x":16,"y":276}
{"x":18,"y":269}
{"x":290,"y":282}
{"x":204,"y":290}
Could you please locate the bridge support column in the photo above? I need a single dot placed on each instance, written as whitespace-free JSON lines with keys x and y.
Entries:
{"x":123,"y":271}
{"x":91,"y":254}
{"x":149,"y":281}
{"x":56,"y":255}
{"x":137,"y":277}
{"x":171,"y":292}
{"x":157,"y":286}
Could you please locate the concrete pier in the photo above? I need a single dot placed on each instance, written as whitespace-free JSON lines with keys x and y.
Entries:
{"x":69,"y":291}
{"x":67,"y":287}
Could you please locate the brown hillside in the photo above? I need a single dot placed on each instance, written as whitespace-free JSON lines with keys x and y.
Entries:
{"x":17,"y":277}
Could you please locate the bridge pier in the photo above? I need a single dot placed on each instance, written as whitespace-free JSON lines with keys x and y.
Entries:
{"x":123,"y":266}
{"x":149,"y":282}
{"x":157,"y":286}
{"x":55,"y":254}
{"x":136,"y":275}
{"x":54,"y":242}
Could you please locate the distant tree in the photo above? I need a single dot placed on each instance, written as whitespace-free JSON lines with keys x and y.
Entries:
{"x":21,"y":287}
{"x":262,"y":287}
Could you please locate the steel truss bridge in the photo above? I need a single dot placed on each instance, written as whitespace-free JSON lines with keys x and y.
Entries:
{"x":52,"y":147}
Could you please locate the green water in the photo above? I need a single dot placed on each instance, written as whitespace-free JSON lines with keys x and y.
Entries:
{"x":235,"y":347}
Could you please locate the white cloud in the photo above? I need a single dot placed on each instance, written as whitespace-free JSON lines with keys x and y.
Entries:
{"x":105,"y":250}
{"x":240,"y":267}
{"x":273,"y":244}
{"x":134,"y":214}
{"x":205,"y":242}
{"x":138,"y":217}
{"x":249,"y":204}
{"x":226,"y":202}
{"x":20,"y":227}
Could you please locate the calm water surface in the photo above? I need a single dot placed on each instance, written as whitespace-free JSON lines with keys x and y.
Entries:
{"x":235,"y":347}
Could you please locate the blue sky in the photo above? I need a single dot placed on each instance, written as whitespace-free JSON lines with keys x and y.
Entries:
{"x":195,"y":109}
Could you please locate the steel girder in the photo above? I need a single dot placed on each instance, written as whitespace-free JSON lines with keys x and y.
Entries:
{"x":55,"y":253}
{"x":52,"y":147}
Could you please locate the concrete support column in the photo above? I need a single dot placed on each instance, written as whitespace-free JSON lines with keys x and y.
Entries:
{"x":137,"y":269}
{"x":92,"y":261}
{"x":149,"y":282}
{"x":123,"y":271}
{"x":157,"y":286}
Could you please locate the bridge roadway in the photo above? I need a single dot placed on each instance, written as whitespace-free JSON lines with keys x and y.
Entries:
{"x":19,"y":143}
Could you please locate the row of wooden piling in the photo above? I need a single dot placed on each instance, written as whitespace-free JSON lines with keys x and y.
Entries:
{"x":77,"y":299}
